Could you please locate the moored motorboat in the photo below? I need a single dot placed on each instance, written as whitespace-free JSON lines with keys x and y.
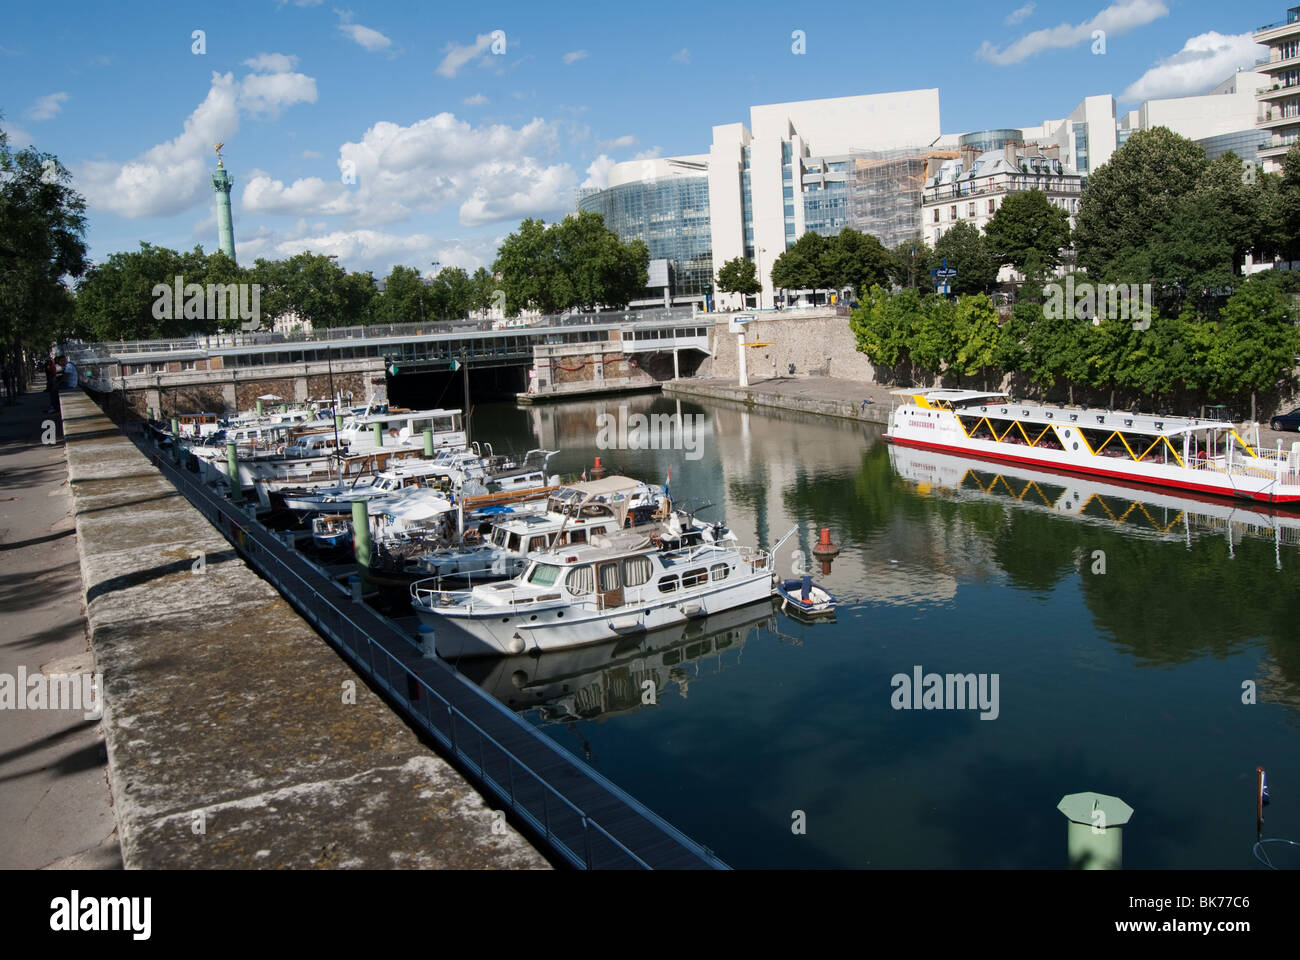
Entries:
{"x":802,"y":597}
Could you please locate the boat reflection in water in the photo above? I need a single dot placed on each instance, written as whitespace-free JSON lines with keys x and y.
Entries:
{"x":604,"y":680}
{"x":1137,"y":509}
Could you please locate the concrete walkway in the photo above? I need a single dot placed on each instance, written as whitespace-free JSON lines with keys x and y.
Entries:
{"x":236,"y":736}
{"x":55,"y":805}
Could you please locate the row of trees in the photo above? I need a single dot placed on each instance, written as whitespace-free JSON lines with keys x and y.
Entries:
{"x":42,"y":229}
{"x":1250,"y":345}
{"x":576,"y":263}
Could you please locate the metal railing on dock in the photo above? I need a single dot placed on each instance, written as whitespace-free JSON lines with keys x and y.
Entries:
{"x":580,"y":815}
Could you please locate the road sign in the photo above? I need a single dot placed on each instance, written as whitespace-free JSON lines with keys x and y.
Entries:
{"x":455,"y":365}
{"x":945,"y":273}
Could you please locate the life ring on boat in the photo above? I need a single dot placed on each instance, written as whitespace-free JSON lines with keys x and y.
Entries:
{"x":393,"y":434}
{"x":280,"y":449}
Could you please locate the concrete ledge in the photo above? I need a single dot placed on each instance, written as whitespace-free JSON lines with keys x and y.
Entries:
{"x":230,"y":743}
{"x":820,"y":395}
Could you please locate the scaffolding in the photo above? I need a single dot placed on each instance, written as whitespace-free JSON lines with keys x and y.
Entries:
{"x":885,"y":197}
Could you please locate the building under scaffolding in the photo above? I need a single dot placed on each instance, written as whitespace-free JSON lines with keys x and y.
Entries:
{"x":886,"y":190}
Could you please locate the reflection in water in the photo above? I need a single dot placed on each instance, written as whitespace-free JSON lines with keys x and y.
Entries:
{"x":603,"y":680}
{"x":1128,"y":682}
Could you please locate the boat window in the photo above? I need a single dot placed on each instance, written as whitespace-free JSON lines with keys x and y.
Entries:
{"x":578,"y":536}
{"x":581,"y":580}
{"x":693,"y":578}
{"x":442,"y":425}
{"x":419,"y":426}
{"x":537,"y":543}
{"x":514,"y":543}
{"x":609,"y":576}
{"x":668,"y":584}
{"x":499,"y":537}
{"x":719,"y":571}
{"x":544,"y":574}
{"x":636,"y":571}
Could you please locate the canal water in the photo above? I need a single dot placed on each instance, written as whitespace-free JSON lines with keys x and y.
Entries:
{"x":1124,"y":629}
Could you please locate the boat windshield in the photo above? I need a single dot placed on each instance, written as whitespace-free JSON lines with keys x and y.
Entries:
{"x":544,"y":574}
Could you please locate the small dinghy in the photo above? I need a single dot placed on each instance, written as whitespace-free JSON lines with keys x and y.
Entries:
{"x":805,"y":598}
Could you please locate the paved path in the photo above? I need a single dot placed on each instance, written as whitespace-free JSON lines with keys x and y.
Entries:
{"x":55,"y":805}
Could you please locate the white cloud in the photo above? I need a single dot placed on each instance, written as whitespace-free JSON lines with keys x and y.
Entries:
{"x":171,"y":176}
{"x":174,"y":175}
{"x":475,"y":101}
{"x":457,"y":56}
{"x":310,"y":155}
{"x":272,"y":62}
{"x":598,"y":172}
{"x":267,"y":93}
{"x":682,"y":56}
{"x":1020,"y":13}
{"x":46,"y":107}
{"x":370,"y":40}
{"x":574,"y":56}
{"x":1120,"y":17}
{"x":372,"y":250}
{"x":491,"y":172}
{"x":618,"y":143}
{"x":310,"y":196}
{"x":1204,"y":61}
{"x":19,"y":139}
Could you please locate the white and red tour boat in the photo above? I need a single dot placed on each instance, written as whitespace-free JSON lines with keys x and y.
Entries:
{"x":1204,"y":456}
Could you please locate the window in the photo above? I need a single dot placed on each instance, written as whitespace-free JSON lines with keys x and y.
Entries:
{"x":668,"y":584}
{"x":544,"y":574}
{"x":719,"y":571}
{"x":952,"y":213}
{"x":970,"y":209}
{"x":636,"y":571}
{"x":936,"y":214}
{"x":993,"y":205}
{"x":578,"y":536}
{"x":608,"y":576}
{"x":693,"y":578}
{"x":580,"y":580}
{"x":514,"y":544}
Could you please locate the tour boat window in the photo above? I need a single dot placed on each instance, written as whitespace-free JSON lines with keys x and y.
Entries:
{"x":719,"y":571}
{"x":609,"y":576}
{"x":581,"y":580}
{"x":544,"y":574}
{"x":693,"y":578}
{"x":636,"y":571}
{"x":668,"y":584}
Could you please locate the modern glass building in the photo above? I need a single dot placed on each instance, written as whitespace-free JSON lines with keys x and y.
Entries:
{"x":671,"y":214}
{"x":1244,"y":143}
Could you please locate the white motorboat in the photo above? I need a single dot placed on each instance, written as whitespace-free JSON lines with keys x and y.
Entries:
{"x":617,"y":585}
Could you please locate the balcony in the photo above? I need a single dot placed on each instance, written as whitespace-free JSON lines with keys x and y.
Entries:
{"x":1277,"y":90}
{"x":1274,"y":120}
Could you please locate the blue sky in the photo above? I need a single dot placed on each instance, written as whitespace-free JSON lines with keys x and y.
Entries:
{"x":452,"y":141}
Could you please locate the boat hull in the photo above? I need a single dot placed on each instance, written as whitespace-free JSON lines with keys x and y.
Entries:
{"x":481,"y":633}
{"x":1152,"y":476}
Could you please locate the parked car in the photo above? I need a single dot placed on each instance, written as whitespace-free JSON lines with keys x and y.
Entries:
{"x":1286,"y":421}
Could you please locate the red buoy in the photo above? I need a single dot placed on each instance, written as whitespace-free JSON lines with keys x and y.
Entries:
{"x":598,"y":471}
{"x":824,"y":547}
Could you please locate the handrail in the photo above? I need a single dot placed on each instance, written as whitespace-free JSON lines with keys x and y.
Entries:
{"x":231,"y":513}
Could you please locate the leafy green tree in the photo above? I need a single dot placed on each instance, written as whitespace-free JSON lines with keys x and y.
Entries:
{"x":976,"y":332}
{"x":1136,"y":192}
{"x":910,"y":264}
{"x":738,"y":275}
{"x":883,"y":326}
{"x":455,"y":293}
{"x":116,"y":300}
{"x":485,"y":287}
{"x":800,"y":267}
{"x":407,"y":298}
{"x":42,"y":230}
{"x":932,"y":342}
{"x":1028,"y":226}
{"x":1257,"y":341}
{"x":855,"y":259}
{"x":966,"y":250}
{"x":528,"y":265}
{"x":1280,"y":209}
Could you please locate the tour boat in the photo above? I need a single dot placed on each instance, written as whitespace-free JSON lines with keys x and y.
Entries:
{"x":1191,"y":454}
{"x":617,"y":585}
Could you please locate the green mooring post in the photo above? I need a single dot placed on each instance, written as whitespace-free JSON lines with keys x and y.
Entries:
{"x":1095,"y":832}
{"x":338,"y":421}
{"x":232,"y":470}
{"x":428,"y":441}
{"x":379,"y":434}
{"x":259,"y":408}
{"x":361,"y":532}
{"x":151,"y":413}
{"x":176,"y":441}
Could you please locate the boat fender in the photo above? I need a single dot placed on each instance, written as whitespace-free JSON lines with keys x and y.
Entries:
{"x":392,"y":433}
{"x":515,"y":644}
{"x":280,"y":450}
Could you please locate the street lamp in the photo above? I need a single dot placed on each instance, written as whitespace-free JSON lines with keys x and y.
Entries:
{"x":760,"y":251}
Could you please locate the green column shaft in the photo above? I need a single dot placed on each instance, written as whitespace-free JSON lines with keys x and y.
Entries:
{"x":232,"y":469}
{"x":176,"y":440}
{"x":428,"y":442}
{"x":379,"y":434}
{"x":361,"y":532}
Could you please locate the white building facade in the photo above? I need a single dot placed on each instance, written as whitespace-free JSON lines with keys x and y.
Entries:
{"x":1279,"y":94}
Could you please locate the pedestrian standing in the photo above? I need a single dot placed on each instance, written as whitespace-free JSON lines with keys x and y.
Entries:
{"x":52,"y":384}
